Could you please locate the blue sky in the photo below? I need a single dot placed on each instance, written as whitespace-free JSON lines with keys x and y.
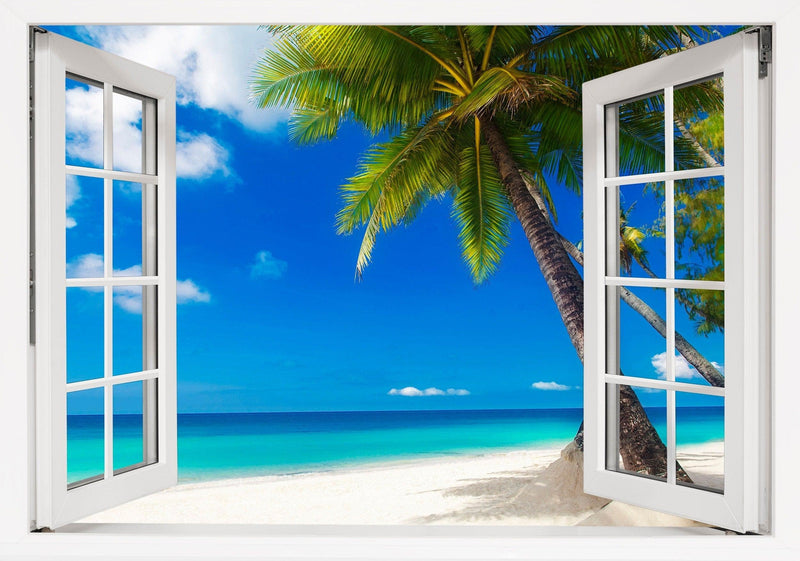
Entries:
{"x":270,"y":317}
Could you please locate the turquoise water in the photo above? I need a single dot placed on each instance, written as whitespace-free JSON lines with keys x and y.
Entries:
{"x":217,"y":446}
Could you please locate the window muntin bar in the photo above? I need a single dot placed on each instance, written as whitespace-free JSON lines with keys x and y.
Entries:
{"x":132,"y":177}
{"x":663,"y":385}
{"x":660,"y":176}
{"x":688,"y":284}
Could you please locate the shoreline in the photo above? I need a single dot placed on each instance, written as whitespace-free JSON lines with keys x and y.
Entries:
{"x":513,"y":487}
{"x":378,"y":463}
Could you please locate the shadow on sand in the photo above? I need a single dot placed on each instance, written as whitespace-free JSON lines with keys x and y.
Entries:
{"x":550,"y":496}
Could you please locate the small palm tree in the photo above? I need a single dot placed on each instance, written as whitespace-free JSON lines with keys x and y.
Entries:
{"x":470,"y":110}
{"x":631,"y":249}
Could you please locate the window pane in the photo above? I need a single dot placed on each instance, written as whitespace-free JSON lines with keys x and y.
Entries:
{"x":641,"y":136}
{"x":130,"y":425}
{"x":83,"y":123}
{"x":699,"y":124}
{"x":127,"y":133}
{"x":700,"y":321}
{"x":700,"y":229}
{"x":642,"y":349}
{"x":629,"y":429}
{"x":700,"y":439}
{"x":85,"y":433}
{"x":128,"y":326}
{"x":641,"y":231}
{"x":84,"y":222}
{"x":128,"y":229}
{"x":84,"y":349}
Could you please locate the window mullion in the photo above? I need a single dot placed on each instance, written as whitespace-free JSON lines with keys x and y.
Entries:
{"x":150,"y":317}
{"x":108,"y":273}
{"x":669,"y":234}
{"x":612,"y":295}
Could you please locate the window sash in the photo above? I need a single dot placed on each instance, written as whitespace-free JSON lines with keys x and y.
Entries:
{"x":57,"y":502}
{"x":738,"y":508}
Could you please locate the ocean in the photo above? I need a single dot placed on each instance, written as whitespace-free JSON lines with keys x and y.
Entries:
{"x":227,"y":445}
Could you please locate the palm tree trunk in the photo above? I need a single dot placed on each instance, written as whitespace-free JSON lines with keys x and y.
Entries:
{"x":640,"y":446}
{"x":703,"y":366}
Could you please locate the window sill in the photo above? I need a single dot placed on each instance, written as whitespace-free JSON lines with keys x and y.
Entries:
{"x":180,"y":541}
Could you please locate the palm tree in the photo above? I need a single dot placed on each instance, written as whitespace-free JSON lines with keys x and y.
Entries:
{"x":470,"y":109}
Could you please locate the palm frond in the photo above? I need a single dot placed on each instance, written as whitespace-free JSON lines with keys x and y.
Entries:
{"x":481,"y":211}
{"x":396,"y":180}
{"x":311,"y":125}
{"x":507,"y":89}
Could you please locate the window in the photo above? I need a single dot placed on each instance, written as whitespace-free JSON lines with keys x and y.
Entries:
{"x":16,"y":411}
{"x":704,"y":269}
{"x":115,"y":304}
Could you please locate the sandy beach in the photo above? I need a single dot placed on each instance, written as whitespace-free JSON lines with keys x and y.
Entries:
{"x":524,"y":487}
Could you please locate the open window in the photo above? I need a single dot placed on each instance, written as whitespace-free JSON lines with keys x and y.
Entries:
{"x":105,"y":283}
{"x":116,"y":290}
{"x":708,"y":275}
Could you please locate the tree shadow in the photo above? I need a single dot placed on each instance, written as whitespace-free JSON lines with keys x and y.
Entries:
{"x":549,"y":496}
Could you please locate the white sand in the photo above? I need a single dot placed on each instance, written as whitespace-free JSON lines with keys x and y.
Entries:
{"x":533,"y":487}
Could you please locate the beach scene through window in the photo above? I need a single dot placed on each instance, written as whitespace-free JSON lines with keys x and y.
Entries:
{"x":380,"y":273}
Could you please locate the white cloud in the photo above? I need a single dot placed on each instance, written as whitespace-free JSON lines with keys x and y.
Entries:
{"x":73,"y":193}
{"x":89,"y":265}
{"x":84,"y":124}
{"x":683,"y":370}
{"x":213,"y":64}
{"x":550,"y":386}
{"x":198,"y":156}
{"x":132,"y":271}
{"x":188,"y":291}
{"x":129,"y":298}
{"x":268,"y":266}
{"x":127,"y":133}
{"x":411,"y":391}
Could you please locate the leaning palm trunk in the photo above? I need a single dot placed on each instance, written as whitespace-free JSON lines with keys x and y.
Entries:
{"x":703,"y":366}
{"x":640,"y":446}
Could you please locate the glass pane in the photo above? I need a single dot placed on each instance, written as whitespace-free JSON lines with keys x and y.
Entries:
{"x":640,"y":430}
{"x":641,"y":231}
{"x":130,"y":430}
{"x":83,"y":123}
{"x":700,"y":322}
{"x":128,"y":229}
{"x":84,"y":349}
{"x":642,"y":349}
{"x":127,"y":133}
{"x":699,"y":124}
{"x":700,"y":229}
{"x":641,"y":136}
{"x":84,"y":221}
{"x":85,"y":433}
{"x":700,"y":439}
{"x":128,"y":318}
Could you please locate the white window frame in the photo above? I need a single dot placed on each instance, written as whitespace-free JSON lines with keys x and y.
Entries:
{"x":56,"y":58}
{"x":745,"y":286}
{"x":365,"y":543}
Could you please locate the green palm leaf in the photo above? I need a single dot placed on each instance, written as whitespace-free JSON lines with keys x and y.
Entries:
{"x":506,"y":89}
{"x":396,"y":179}
{"x":482,"y":212}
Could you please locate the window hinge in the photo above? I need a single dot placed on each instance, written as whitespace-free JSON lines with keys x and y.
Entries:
{"x":764,"y":49}
{"x":32,"y":43}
